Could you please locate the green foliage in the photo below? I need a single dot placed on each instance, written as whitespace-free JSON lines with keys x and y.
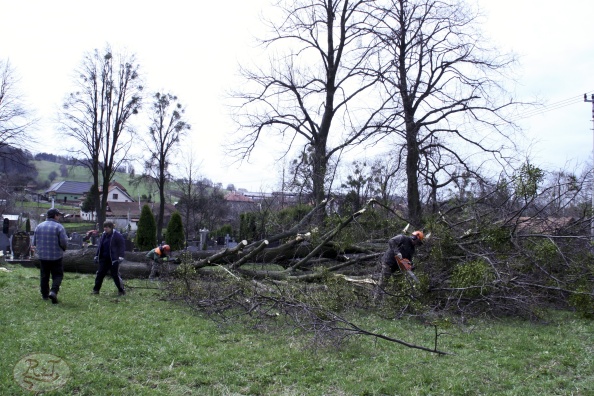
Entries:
{"x":403,"y":296}
{"x":175,"y":232}
{"x":443,"y":244}
{"x":288,"y":217}
{"x":474,"y":276}
{"x":526,"y":181}
{"x":226,"y":229}
{"x":250,"y":226}
{"x":583,"y":301}
{"x":544,"y":250}
{"x":88,"y":205}
{"x":146,"y":235}
{"x":377,"y":224}
{"x":496,"y":237}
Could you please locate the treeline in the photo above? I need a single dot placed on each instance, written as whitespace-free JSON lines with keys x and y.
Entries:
{"x":58,"y":159}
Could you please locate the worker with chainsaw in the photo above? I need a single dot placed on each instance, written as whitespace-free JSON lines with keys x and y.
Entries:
{"x":156,"y":258}
{"x":398,"y":257}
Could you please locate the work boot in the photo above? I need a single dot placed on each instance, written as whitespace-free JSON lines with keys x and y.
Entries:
{"x":53,"y":297}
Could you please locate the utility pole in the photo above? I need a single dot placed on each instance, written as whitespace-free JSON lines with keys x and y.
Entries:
{"x":591,"y":100}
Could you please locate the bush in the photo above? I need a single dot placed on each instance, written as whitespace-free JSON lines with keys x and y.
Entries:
{"x":175,"y":232}
{"x":146,"y":236}
{"x":583,"y":302}
{"x":474,"y":275}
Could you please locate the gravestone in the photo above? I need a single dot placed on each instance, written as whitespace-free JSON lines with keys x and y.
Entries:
{"x":4,"y":243}
{"x":75,"y":241}
{"x":21,"y":245}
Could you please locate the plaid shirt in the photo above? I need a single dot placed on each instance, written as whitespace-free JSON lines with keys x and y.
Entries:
{"x":50,"y":240}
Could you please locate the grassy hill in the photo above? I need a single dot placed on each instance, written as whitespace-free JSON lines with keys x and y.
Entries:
{"x":82,"y":174}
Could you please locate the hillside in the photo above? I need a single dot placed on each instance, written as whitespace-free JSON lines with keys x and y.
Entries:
{"x":79,"y":173}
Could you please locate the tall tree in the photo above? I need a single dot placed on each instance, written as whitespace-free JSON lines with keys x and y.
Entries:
{"x":16,"y":120}
{"x":98,"y":116}
{"x":317,"y":92}
{"x":166,"y":130}
{"x":445,"y":83}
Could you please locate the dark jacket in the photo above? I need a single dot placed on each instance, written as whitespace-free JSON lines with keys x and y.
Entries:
{"x":117,"y":246}
{"x":399,"y":244}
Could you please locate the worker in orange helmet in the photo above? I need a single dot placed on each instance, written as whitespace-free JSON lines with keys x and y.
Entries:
{"x":399,"y":255}
{"x":156,"y":257}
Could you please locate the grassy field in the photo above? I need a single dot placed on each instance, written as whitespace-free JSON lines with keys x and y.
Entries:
{"x":142,"y":344}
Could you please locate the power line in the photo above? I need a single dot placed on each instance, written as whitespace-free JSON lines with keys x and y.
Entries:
{"x":552,"y":107}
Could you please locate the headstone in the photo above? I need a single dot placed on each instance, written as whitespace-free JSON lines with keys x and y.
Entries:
{"x":203,"y":235}
{"x":76,"y":241}
{"x":4,"y":243}
{"x":21,"y":245}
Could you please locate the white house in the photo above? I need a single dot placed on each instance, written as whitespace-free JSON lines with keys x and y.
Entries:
{"x":116,"y":194}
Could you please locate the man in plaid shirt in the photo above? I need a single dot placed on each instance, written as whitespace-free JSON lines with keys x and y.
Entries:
{"x":50,"y":242}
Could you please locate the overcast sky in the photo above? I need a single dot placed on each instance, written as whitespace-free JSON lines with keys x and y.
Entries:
{"x":192,"y":49}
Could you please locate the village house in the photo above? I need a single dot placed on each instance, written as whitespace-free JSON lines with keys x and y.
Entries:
{"x":68,"y":191}
{"x":124,"y":211}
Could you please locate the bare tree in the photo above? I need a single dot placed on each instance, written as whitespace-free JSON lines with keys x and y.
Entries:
{"x":317,"y":92}
{"x":16,"y":120}
{"x":448,"y":100}
{"x":187,"y":204}
{"x":166,"y":131}
{"x":98,"y":116}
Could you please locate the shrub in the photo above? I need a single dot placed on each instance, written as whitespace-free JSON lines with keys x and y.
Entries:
{"x":175,"y":232}
{"x":583,"y":302}
{"x":146,"y":236}
{"x":474,"y":275}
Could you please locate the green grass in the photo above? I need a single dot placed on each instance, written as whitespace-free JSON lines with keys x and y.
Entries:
{"x":142,"y":344}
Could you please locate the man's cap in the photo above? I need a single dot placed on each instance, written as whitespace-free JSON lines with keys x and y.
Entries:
{"x":53,"y":212}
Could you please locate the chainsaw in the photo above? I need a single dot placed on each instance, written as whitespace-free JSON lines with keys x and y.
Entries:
{"x":406,"y":267}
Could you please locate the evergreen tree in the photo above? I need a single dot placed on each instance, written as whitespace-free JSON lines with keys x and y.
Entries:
{"x":146,"y":235}
{"x":175,"y":232}
{"x":89,"y":204}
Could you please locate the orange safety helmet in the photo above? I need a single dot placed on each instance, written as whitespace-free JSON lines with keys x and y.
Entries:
{"x":164,"y":248}
{"x":419,"y":235}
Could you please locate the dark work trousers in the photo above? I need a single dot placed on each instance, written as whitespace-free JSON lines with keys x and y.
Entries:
{"x":114,"y":269}
{"x":56,"y":270}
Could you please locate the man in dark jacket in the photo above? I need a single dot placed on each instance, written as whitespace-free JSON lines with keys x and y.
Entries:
{"x":110,"y":253}
{"x":50,"y":242}
{"x":399,"y":255}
